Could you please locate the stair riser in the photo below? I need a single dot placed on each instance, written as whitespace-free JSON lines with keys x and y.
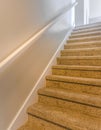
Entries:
{"x":86,"y":31}
{"x":68,"y":46}
{"x":39,"y":124}
{"x":85,"y":62}
{"x":81,"y":53}
{"x":85,"y":109}
{"x":85,"y":35}
{"x":84,"y":40}
{"x":75,"y":87}
{"x":77,"y":73}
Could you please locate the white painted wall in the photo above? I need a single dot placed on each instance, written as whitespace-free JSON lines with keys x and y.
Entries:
{"x":95,"y":11}
{"x":19,"y":21}
{"x":79,"y":13}
{"x":82,"y":12}
{"x":86,"y":11}
{"x":95,"y":8}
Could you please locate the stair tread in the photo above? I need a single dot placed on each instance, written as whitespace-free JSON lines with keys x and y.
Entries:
{"x":86,"y":29}
{"x":80,"y":38}
{"x":82,"y":49}
{"x":86,"y":25}
{"x":63,"y":94}
{"x":66,"y":118}
{"x":87,"y":33}
{"x":77,"y":80}
{"x":77,"y":67}
{"x":80,"y":57}
{"x":82,"y":43}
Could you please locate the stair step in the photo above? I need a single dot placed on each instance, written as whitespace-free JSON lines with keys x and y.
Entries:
{"x":88,"y":34}
{"x":77,"y":71}
{"x":36,"y":123}
{"x":86,"y":30}
{"x":85,"y":103}
{"x":79,"y":60}
{"x":83,"y":45}
{"x":85,"y":39}
{"x":64,"y":118}
{"x":86,"y":25}
{"x":89,"y":26}
{"x":76,"y":84}
{"x":81,"y":52}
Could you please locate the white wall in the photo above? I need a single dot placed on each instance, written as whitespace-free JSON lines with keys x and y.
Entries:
{"x":82,"y":12}
{"x":95,"y":11}
{"x":95,"y":8}
{"x":86,"y":11}
{"x":20,"y":20}
{"x":79,"y":13}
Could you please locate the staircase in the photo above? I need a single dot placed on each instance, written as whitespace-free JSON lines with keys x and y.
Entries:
{"x":71,"y":99}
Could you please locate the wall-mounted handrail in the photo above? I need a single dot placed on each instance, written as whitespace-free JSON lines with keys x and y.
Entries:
{"x":29,"y":42}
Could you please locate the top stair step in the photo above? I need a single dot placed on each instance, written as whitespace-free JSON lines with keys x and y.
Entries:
{"x":86,"y":30}
{"x":87,"y":34}
{"x":88,"y":26}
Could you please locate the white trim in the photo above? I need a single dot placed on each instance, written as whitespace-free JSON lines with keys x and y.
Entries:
{"x":37,"y":85}
{"x":21,"y":49}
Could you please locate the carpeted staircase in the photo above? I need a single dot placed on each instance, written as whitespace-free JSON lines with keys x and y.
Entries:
{"x":71,"y":99}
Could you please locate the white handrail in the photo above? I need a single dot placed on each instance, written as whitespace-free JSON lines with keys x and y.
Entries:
{"x":29,"y":42}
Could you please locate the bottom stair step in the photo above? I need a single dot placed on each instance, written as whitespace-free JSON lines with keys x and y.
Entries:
{"x":66,"y":119}
{"x":35,"y":123}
